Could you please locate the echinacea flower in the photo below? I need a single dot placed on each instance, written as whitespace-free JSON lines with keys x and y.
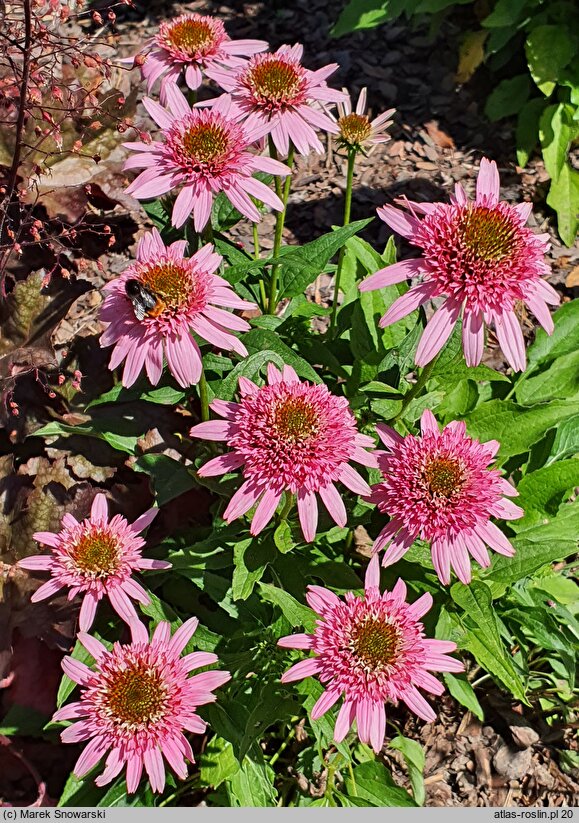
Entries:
{"x":291,"y":437}
{"x":478,"y":256}
{"x":202,"y":153}
{"x":437,"y":486}
{"x":189,"y":295}
{"x":190,"y":44}
{"x":370,"y":650}
{"x":96,"y":558}
{"x":137,"y":701}
{"x":276,"y":95}
{"x":356,"y":130}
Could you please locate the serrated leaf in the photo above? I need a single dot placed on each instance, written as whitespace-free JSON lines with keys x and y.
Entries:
{"x":482,"y":637}
{"x":565,"y":337}
{"x":282,"y":537}
{"x":536,"y":547}
{"x":542,"y":491}
{"x":559,"y":382}
{"x":295,"y":613}
{"x":250,"y":557}
{"x":252,"y":785}
{"x":300,"y":266}
{"x":358,"y":15}
{"x":516,"y":427}
{"x":217,"y":762}
{"x":259,"y":339}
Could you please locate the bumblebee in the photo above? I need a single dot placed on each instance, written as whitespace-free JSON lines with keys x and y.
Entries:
{"x":146,"y":303}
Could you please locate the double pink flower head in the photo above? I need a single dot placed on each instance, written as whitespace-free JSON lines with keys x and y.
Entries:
{"x":287,"y":437}
{"x":192,"y":298}
{"x":481,"y":258}
{"x":96,"y":558}
{"x":370,"y":650}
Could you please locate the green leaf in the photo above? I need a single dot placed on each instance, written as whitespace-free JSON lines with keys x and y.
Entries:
{"x":160,"y":212}
{"x":515,"y":427}
{"x":250,"y":557}
{"x":557,"y":130}
{"x":358,"y":15}
{"x":508,"y":97}
{"x":542,"y":491}
{"x":563,"y":198}
{"x":559,"y":382}
{"x":249,"y":367}
{"x":282,"y":537}
{"x":252,"y":785}
{"x":549,"y":49}
{"x":482,"y":637}
{"x":22,"y":721}
{"x":566,"y":443}
{"x":81,"y":792}
{"x":295,"y":613}
{"x":450,"y":367}
{"x":527,"y":134}
{"x":300,"y":266}
{"x":123,"y":439}
{"x":169,"y":477}
{"x":259,"y":339}
{"x":505,"y":13}
{"x":461,"y":690}
{"x":414,"y":757}
{"x":224,"y":215}
{"x":217,"y":763}
{"x":537,"y":547}
{"x":559,"y":588}
{"x":565,"y":337}
{"x":373,"y":782}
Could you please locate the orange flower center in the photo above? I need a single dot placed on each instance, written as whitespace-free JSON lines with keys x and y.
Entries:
{"x":443,"y":476}
{"x":205,"y":142}
{"x":376,"y":642}
{"x":354,"y":128}
{"x":97,"y":553}
{"x":193,"y":37}
{"x":170,"y":282}
{"x":136,"y":696}
{"x":488,"y":233}
{"x":295,"y":420}
{"x":275,"y":80}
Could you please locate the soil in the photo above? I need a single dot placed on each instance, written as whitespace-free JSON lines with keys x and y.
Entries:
{"x":440,"y":134}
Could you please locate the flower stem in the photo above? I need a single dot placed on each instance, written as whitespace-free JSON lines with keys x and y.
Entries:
{"x":416,"y":389}
{"x":203,"y":397}
{"x":283,"y":747}
{"x":282,"y":192}
{"x":347,"y":210}
{"x":288,"y":505}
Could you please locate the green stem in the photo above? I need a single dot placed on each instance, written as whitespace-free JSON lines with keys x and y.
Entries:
{"x":518,"y":382}
{"x":282,"y":192}
{"x":288,"y":505}
{"x":347,"y":210}
{"x":353,"y":779}
{"x":256,"y":255}
{"x":283,"y":747}
{"x":332,"y":768}
{"x":203,"y":398}
{"x":416,"y":389}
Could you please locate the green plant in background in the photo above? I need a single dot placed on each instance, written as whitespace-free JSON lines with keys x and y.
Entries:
{"x":545,"y":100}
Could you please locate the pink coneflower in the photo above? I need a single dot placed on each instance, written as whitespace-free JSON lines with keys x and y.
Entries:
{"x":356,"y":130}
{"x":203,"y":152}
{"x":190,"y":44}
{"x":370,"y":650}
{"x":136,"y":703}
{"x":481,"y":258}
{"x":437,"y":486}
{"x":291,"y":437}
{"x":278,"y":96}
{"x":95,"y":558}
{"x":188,"y":294}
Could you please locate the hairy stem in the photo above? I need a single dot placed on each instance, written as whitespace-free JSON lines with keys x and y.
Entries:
{"x":282,"y":192}
{"x":347,"y":210}
{"x":203,"y":397}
